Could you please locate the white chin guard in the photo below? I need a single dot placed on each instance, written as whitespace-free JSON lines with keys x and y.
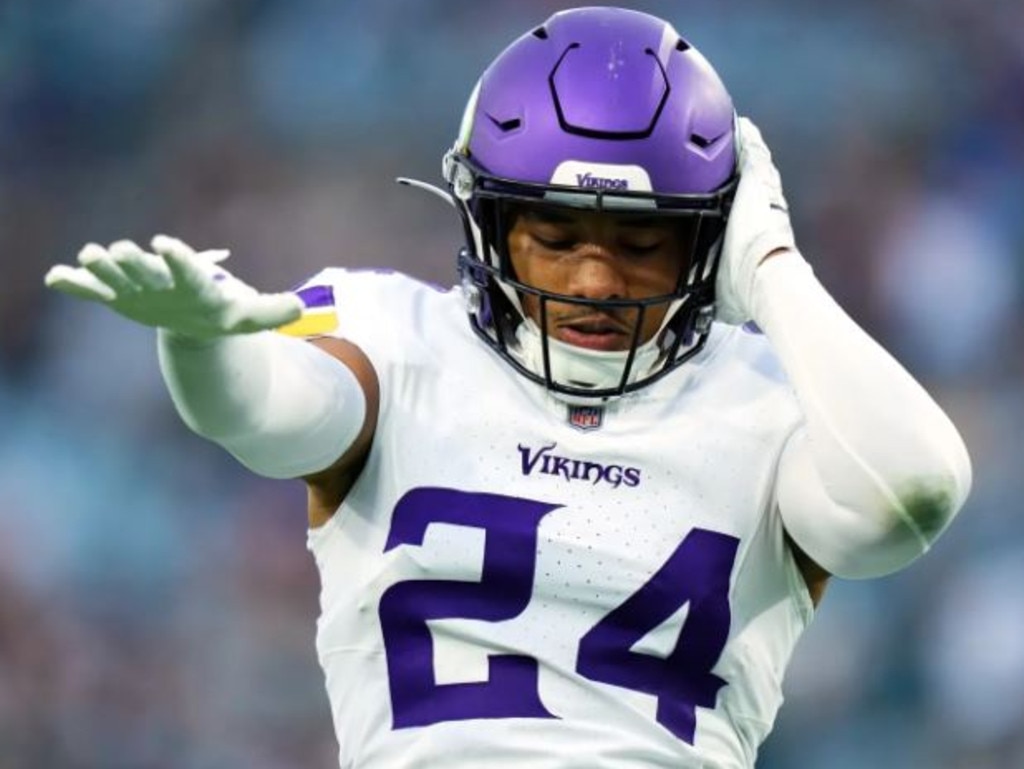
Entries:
{"x":577,"y":367}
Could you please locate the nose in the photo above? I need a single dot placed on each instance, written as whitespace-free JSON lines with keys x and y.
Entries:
{"x":595,"y":274}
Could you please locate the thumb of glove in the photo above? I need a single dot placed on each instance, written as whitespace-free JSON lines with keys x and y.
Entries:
{"x":273,"y":310}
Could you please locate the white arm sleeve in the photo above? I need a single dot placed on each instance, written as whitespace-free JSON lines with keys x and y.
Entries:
{"x":279,"y":405}
{"x":878,"y":470}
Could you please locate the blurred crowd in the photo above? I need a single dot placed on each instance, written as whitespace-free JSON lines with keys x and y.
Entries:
{"x":157,"y":603}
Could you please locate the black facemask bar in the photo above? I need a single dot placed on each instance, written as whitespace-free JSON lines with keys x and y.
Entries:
{"x":485,"y":201}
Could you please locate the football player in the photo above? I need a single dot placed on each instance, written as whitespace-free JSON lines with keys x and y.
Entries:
{"x":577,"y":510}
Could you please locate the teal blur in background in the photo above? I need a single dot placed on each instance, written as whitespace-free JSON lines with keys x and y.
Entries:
{"x":157,"y":603}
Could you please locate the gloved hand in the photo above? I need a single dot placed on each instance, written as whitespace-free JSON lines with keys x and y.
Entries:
{"x":175,"y":288}
{"x":758,"y":226}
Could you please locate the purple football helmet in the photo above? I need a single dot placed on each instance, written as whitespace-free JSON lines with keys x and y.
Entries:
{"x":604,"y":109}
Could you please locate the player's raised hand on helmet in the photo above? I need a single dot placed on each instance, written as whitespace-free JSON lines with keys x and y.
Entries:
{"x":758,"y":226}
{"x":174,"y":287}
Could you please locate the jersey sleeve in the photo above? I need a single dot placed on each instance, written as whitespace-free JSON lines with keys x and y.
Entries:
{"x":380,"y":311}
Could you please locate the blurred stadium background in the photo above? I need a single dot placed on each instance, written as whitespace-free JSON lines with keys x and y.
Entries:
{"x":157,"y":602}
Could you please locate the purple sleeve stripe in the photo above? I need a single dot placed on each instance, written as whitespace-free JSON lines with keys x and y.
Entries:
{"x":317,"y":296}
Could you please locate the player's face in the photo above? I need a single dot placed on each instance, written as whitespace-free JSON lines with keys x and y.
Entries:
{"x":596,"y":256}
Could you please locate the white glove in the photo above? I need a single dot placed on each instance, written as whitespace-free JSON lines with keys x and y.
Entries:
{"x":177,"y":289}
{"x":758,"y":226}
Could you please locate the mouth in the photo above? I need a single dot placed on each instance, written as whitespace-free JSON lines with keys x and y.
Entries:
{"x":594,"y":332}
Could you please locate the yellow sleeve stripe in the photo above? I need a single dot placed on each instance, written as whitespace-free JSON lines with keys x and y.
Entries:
{"x":312,"y":323}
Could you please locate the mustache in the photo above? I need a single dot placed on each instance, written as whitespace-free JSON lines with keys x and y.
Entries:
{"x":621,"y":321}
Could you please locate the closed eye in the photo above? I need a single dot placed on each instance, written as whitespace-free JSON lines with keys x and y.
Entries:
{"x":642,"y":249}
{"x":555,"y":244}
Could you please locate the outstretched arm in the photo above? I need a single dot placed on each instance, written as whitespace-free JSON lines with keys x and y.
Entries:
{"x":878,"y":470}
{"x":281,"y":406}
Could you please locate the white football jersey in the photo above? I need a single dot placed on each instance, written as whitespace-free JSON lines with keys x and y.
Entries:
{"x":515,"y":583}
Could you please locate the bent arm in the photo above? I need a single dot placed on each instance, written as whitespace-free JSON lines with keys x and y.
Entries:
{"x":878,"y":470}
{"x":283,"y":407}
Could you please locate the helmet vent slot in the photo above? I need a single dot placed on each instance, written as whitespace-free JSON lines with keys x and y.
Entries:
{"x":540,"y":33}
{"x":507,"y":125}
{"x":701,"y":141}
{"x":682,"y":45}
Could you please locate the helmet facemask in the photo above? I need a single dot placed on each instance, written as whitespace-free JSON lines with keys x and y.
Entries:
{"x":599,"y":110}
{"x":497,"y":297}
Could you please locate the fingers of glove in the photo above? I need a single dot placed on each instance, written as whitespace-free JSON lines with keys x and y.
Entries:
{"x":100,"y":263}
{"x":188,"y":272}
{"x":192,"y":271}
{"x":148,"y":271}
{"x":162,"y":243}
{"x":215,"y":254}
{"x":756,"y":161}
{"x":78,"y":282}
{"x":752,"y":143}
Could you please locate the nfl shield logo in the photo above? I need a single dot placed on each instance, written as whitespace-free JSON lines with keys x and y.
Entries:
{"x":586,"y":417}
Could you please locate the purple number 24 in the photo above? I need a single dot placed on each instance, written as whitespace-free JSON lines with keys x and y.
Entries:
{"x":697,"y":572}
